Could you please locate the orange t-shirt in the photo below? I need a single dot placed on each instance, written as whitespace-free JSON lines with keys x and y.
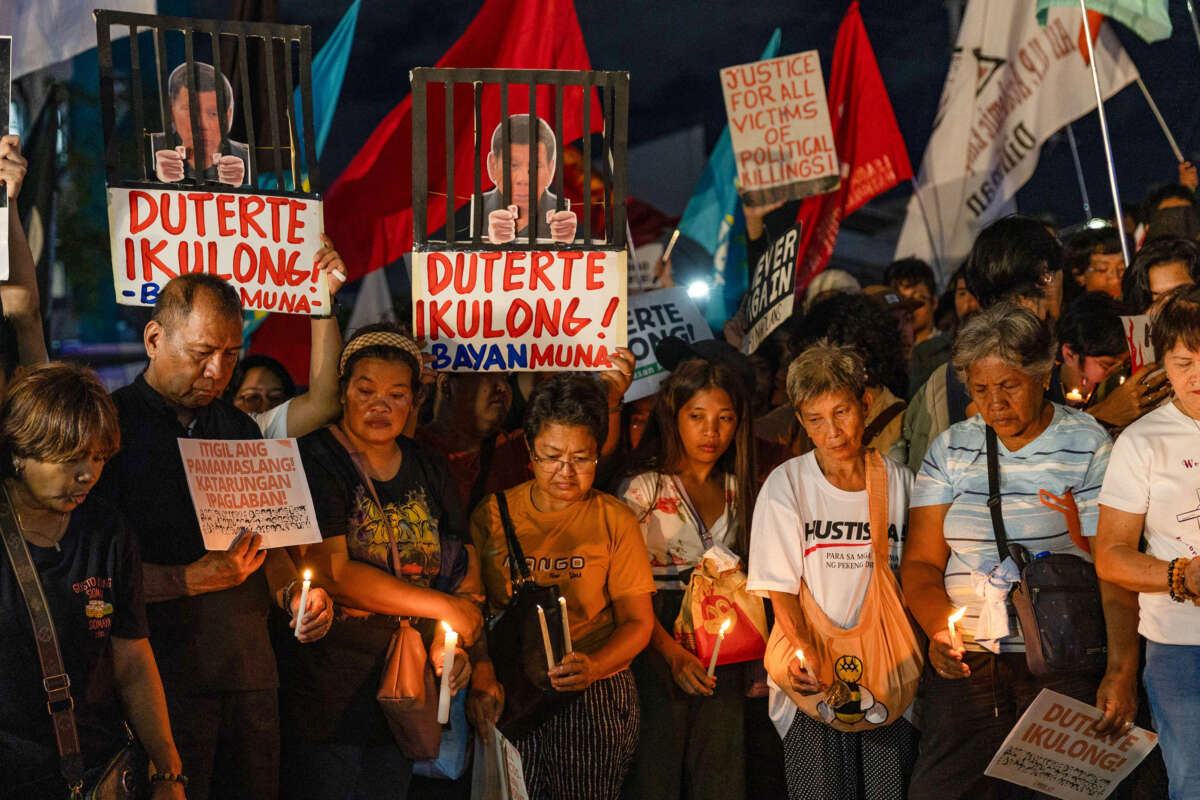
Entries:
{"x":593,"y":550}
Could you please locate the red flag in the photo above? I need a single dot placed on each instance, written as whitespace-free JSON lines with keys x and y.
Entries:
{"x":868,"y":141}
{"x":368,"y":210}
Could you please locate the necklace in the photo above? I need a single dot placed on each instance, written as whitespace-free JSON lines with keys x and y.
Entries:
{"x":48,"y":539}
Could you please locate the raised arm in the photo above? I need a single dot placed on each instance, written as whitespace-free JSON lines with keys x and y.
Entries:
{"x":19,"y":294}
{"x":319,"y":405}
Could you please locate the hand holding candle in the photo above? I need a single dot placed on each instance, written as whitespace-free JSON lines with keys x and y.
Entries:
{"x":304,"y":587}
{"x":566,"y":625}
{"x":712,"y":662}
{"x":451,"y":643}
{"x":955,"y":639}
{"x":800,"y":658}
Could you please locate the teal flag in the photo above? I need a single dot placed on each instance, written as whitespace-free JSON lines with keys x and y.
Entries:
{"x":1149,"y":19}
{"x":713,"y":219}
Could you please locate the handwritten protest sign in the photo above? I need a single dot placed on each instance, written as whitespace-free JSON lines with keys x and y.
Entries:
{"x":1137,"y":336}
{"x":772,"y":289}
{"x":253,"y":484}
{"x":1055,"y":749}
{"x":493,"y":310}
{"x":652,"y":317}
{"x":262,"y":244}
{"x":779,"y":121}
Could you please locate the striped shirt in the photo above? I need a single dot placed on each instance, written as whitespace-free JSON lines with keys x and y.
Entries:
{"x":1072,"y":453}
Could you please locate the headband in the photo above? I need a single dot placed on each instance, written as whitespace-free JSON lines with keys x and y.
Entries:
{"x":396,"y":341}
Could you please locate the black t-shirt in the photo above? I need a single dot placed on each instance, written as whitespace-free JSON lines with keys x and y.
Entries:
{"x":331,"y":685}
{"x":93,"y":586}
{"x":212,"y":642}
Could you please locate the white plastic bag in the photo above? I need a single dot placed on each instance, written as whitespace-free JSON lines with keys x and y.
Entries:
{"x":498,"y":773}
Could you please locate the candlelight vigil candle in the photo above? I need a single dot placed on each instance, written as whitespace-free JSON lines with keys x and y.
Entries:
{"x":712,"y":662}
{"x":1074,"y":396}
{"x":303,"y":600}
{"x":451,"y":642}
{"x":803,"y":663}
{"x":566,"y":623}
{"x":545,"y":637}
{"x":955,"y":642}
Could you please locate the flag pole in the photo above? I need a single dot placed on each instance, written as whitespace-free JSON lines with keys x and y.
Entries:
{"x":1108,"y":155}
{"x":1195,"y":23}
{"x":1087,"y":205}
{"x":1162,"y":123}
{"x":933,"y":248}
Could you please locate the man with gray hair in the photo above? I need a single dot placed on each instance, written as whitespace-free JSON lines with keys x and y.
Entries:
{"x":506,"y":222}
{"x":175,"y":151}
{"x":207,"y":609}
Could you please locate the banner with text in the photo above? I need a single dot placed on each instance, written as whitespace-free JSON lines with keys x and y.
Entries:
{"x":263,"y":244}
{"x":653,"y":316}
{"x":1137,"y":336}
{"x":779,"y":123}
{"x":772,"y":296}
{"x":1055,"y":749}
{"x":253,"y":485}
{"x":502,"y":310}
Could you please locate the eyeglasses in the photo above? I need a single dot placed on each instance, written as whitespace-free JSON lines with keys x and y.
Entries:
{"x":553,"y":465}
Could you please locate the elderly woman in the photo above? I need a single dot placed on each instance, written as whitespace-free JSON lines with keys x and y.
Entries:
{"x":380,"y":563}
{"x":972,"y":694}
{"x":801,"y":541}
{"x":1150,"y":491}
{"x":585,"y":748}
{"x":58,"y":426}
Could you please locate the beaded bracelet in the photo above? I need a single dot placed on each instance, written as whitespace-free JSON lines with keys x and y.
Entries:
{"x":1177,"y":580}
{"x":169,"y":777}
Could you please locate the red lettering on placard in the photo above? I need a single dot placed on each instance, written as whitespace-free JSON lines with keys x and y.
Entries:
{"x":130,"y":260}
{"x":541,"y":356}
{"x":224,"y":214}
{"x":571,"y":324}
{"x":515,"y":328}
{"x":177,"y":228}
{"x":437,"y":312}
{"x":243,"y":252}
{"x":488,"y":331}
{"x":466,"y":331}
{"x":248,"y":209}
{"x":568,"y":261}
{"x":595,"y":267}
{"x":198,"y":200}
{"x":513,"y":270}
{"x":136,"y":224}
{"x":537,"y":271}
{"x":544,"y":320}
{"x":214,"y":266}
{"x":489,"y":260}
{"x":150,"y":260}
{"x":295,"y":224}
{"x":465,"y":275}
{"x":276,"y":204}
{"x":420,"y":326}
{"x":438,"y":272}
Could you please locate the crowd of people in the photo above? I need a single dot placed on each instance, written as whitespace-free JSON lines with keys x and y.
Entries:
{"x":890,"y":421}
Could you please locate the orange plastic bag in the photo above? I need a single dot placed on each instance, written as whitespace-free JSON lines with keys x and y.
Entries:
{"x":711,"y":600}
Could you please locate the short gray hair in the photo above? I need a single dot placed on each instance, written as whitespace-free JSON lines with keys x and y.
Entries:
{"x":1007,"y":331}
{"x":825,"y":367}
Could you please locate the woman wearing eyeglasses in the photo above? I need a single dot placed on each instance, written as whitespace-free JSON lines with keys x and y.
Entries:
{"x":587,"y":543}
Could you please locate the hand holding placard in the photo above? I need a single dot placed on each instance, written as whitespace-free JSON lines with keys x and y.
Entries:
{"x":12,"y":165}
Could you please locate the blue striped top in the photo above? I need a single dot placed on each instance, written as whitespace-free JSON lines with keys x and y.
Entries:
{"x":1072,"y":453}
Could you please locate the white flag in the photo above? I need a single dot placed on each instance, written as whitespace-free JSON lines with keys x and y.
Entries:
{"x":46,"y":32}
{"x":373,"y":304}
{"x":1012,"y":83}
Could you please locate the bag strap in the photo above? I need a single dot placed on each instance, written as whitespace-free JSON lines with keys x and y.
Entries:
{"x":517,"y":568}
{"x":876,"y":426}
{"x":486,"y":451}
{"x":705,"y":535}
{"x":877,"y":507}
{"x":360,"y":465}
{"x":55,"y":681}
{"x":993,"y":467}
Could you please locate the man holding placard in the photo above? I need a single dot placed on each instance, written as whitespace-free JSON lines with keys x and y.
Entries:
{"x":207,"y":609}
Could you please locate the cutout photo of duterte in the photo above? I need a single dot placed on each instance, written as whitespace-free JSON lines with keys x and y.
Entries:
{"x":507,"y":223}
{"x":174,"y":151}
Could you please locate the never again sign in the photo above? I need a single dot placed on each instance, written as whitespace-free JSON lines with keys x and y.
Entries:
{"x":772,"y":289}
{"x":262,"y":244}
{"x":501,"y":310}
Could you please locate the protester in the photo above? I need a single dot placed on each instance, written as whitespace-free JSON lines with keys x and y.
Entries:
{"x":1147,"y":497}
{"x":207,"y":609}
{"x":1091,"y":349}
{"x":690,"y":486}
{"x":58,"y":427}
{"x":973,"y":694}
{"x":585,"y":748}
{"x":901,"y":309}
{"x":828,"y":283}
{"x":913,"y":279}
{"x":1159,"y":267}
{"x":791,"y":551}
{"x":935,"y":351}
{"x":19,"y":296}
{"x":262,"y":387}
{"x":1093,"y":262}
{"x":338,"y":742}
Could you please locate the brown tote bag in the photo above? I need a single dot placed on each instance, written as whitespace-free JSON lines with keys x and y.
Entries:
{"x":873,"y":668}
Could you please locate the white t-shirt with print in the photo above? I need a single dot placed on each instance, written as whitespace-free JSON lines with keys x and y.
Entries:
{"x":1155,"y":470}
{"x":671,"y":535}
{"x":805,"y":528}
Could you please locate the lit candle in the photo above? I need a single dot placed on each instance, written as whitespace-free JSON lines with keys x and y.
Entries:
{"x":1122,"y":381}
{"x":303,"y":600}
{"x":566,"y":623}
{"x":712,"y":662}
{"x":451,"y":642}
{"x":546,"y":637}
{"x":955,"y":643}
{"x":1074,"y":396}
{"x":803,"y":663}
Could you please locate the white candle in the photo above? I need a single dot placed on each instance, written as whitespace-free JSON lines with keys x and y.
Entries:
{"x":546,"y":638}
{"x":303,"y":600}
{"x":803,"y":663}
{"x":953,"y":618}
{"x":566,"y":623}
{"x":1074,"y":396}
{"x":712,"y":662}
{"x":447,"y":667}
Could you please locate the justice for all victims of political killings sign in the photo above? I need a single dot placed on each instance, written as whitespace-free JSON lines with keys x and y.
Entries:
{"x":779,"y":123}
{"x":772,"y":289}
{"x":503,"y":310}
{"x":653,"y":316}
{"x":252,"y":486}
{"x":1055,"y":749}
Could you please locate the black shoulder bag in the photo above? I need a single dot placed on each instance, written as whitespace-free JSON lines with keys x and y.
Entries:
{"x":516,"y":647}
{"x":125,"y":775}
{"x":1057,"y":599}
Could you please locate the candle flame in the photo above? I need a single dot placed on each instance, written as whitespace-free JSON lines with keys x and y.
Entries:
{"x":1074,"y":395}
{"x":725,"y":625}
{"x":308,"y":574}
{"x":957,"y":615}
{"x":800,"y":654}
{"x":1122,"y":383}
{"x":446,"y":627}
